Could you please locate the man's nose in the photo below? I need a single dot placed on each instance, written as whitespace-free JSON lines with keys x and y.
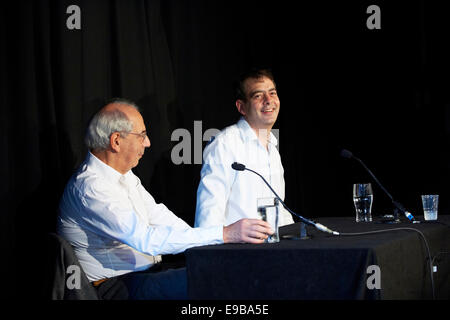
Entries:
{"x":267,"y":98}
{"x":147,"y":142}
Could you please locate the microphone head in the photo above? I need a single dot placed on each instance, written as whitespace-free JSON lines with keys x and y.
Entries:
{"x":238,"y":166}
{"x":346,"y":154}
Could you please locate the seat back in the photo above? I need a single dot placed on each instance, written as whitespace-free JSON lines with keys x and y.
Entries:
{"x":65,"y":278}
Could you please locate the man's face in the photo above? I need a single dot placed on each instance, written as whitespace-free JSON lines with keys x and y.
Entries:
{"x":134,"y":144}
{"x":262,"y":104}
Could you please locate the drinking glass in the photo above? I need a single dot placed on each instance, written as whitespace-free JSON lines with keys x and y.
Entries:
{"x":268,"y":210}
{"x":362,"y":198}
{"x":430,"y":206}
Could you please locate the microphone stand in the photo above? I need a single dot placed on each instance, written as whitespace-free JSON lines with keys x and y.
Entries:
{"x":286,"y":230}
{"x":303,"y":220}
{"x":398,"y":207}
{"x":396,"y":216}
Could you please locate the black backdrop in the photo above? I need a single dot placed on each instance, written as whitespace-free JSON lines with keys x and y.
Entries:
{"x":380,"y":93}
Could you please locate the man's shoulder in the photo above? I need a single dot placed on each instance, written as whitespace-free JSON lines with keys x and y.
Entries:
{"x":85,"y":181}
{"x":230,"y":133}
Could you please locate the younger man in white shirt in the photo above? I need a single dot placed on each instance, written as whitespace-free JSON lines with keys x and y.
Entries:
{"x":224,"y":195}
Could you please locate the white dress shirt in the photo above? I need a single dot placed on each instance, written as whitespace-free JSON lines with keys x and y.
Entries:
{"x":225,"y":195}
{"x":115,"y":225}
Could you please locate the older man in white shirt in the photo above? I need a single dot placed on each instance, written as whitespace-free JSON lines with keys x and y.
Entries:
{"x":224,"y":195}
{"x":115,"y":225}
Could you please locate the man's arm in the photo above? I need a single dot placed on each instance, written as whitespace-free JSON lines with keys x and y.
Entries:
{"x":112,"y":217}
{"x":159,"y":214}
{"x":244,"y":230}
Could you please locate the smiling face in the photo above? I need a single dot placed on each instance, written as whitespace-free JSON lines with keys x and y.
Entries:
{"x":261,"y":105}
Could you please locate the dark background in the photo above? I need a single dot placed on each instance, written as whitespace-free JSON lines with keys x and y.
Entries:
{"x":380,"y":93}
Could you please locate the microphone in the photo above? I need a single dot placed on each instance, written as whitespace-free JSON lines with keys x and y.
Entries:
{"x":348,"y":155}
{"x":238,"y":166}
{"x":241,"y":167}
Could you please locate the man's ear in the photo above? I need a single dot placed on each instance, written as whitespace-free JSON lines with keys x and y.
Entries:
{"x":240,"y":106}
{"x":114,"y":141}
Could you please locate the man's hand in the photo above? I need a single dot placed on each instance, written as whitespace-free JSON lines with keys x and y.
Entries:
{"x":247,"y":230}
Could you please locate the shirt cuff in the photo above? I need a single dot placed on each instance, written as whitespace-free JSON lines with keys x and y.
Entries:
{"x":215,"y":234}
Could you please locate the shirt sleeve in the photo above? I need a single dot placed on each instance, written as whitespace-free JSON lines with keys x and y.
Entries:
{"x":216,"y":179}
{"x":112,"y":216}
{"x":159,"y":214}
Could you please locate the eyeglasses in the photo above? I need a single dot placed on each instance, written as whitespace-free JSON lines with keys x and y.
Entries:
{"x":142,"y":135}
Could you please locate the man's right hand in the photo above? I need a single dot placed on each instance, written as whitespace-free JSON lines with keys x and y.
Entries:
{"x":247,"y":230}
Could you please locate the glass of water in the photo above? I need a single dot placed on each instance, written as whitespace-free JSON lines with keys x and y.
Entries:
{"x":430,"y":206}
{"x":268,"y":210}
{"x":362,"y":198}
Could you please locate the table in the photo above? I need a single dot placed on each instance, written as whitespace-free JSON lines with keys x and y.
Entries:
{"x":327,"y":266}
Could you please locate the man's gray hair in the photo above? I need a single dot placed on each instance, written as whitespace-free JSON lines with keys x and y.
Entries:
{"x":105,"y":123}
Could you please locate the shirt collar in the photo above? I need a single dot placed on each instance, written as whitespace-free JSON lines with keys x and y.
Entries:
{"x":105,"y":170}
{"x":249,"y":133}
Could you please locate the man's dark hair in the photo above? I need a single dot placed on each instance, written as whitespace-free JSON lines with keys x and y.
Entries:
{"x":251,"y":74}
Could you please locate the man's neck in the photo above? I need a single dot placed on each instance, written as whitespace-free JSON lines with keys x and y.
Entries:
{"x":109,"y":159}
